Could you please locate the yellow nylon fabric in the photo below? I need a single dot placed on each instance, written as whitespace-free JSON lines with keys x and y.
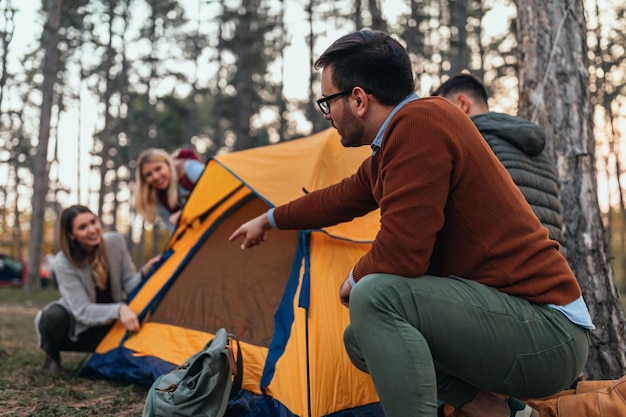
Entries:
{"x":280,"y":172}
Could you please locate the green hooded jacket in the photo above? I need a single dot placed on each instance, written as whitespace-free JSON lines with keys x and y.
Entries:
{"x":519,"y":145}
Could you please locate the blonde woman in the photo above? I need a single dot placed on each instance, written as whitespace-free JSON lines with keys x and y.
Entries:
{"x":164,"y":183}
{"x":94,"y":273}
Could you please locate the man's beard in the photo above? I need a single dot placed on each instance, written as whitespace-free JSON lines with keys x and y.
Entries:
{"x":352,"y":130}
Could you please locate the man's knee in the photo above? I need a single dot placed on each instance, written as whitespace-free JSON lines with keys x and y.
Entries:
{"x":370,"y":290}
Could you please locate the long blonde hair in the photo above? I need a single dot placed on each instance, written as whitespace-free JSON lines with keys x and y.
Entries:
{"x":75,"y":253}
{"x":146,"y":195}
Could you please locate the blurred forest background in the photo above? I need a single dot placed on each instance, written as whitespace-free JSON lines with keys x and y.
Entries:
{"x":218,"y":76}
{"x":210,"y":75}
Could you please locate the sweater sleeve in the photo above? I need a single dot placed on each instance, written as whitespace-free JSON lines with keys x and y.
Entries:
{"x":127,"y":272}
{"x":352,"y":197}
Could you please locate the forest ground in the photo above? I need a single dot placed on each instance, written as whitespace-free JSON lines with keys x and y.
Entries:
{"x":26,"y":390}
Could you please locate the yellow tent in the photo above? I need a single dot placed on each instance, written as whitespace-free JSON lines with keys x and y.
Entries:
{"x":280,"y":299}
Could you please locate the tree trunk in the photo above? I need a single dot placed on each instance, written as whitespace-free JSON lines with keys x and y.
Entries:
{"x":312,"y":111}
{"x":40,"y":161}
{"x":17,"y":245}
{"x":106,"y":134}
{"x":459,"y":50}
{"x":554,"y":93}
{"x":218,"y":134}
{"x":378,"y":22}
{"x":243,"y":78}
{"x":7,"y":37}
{"x":281,"y":101}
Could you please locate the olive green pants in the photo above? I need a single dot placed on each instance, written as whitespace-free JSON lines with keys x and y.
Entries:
{"x":433,"y":338}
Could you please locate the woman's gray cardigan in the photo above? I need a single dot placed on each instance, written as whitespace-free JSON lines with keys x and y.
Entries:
{"x":78,"y":290}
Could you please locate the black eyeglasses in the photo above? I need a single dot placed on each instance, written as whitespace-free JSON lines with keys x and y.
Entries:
{"x":324,"y":102}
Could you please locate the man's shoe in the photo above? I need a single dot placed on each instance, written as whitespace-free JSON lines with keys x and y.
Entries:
{"x":53,"y":365}
{"x":519,"y":409}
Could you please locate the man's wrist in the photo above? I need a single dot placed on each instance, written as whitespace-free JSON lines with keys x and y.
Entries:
{"x":270,"y":218}
{"x":351,"y":279}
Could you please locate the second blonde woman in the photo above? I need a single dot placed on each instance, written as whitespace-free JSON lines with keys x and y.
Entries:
{"x":164,"y":183}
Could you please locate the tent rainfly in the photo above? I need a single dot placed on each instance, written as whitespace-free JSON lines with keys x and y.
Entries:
{"x":280,"y":299}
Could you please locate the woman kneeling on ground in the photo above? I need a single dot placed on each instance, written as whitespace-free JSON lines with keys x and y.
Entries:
{"x":94,"y":273}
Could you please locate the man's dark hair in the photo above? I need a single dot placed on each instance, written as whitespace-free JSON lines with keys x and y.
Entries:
{"x":463,"y":83}
{"x":372,"y":60}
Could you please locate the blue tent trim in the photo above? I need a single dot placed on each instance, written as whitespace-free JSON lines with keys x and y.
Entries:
{"x":284,"y":316}
{"x":368,"y":410}
{"x":157,"y":265}
{"x":136,"y":369}
{"x":304,"y":302}
{"x":248,"y":404}
{"x":305,"y":289}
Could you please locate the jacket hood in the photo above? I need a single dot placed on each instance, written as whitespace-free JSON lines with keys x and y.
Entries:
{"x":524,"y":135}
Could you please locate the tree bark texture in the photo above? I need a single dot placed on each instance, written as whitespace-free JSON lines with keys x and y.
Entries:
{"x":553,"y":84}
{"x":41,"y":167}
{"x":244,"y":76}
{"x":106,"y":135}
{"x":378,"y":22}
{"x":7,"y":37}
{"x":459,"y":50}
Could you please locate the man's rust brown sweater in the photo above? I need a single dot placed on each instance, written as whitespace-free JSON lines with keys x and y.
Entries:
{"x":448,"y":207}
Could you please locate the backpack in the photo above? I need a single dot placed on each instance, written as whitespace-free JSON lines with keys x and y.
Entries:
{"x":202,"y":385}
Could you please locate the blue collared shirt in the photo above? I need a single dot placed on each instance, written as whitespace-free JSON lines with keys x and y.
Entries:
{"x":576,"y":312}
{"x":378,"y":140}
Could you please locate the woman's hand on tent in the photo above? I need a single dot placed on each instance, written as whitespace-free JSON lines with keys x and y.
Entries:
{"x":253,"y":231}
{"x":129,"y":319}
{"x":148,"y":266}
{"x":344,"y":292}
{"x":174,"y":217}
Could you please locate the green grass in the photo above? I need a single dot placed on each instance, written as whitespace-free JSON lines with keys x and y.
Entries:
{"x":26,"y":390}
{"x":26,"y":298}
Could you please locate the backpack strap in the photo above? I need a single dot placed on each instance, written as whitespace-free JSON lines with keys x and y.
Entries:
{"x":236,"y":365}
{"x":152,"y":399}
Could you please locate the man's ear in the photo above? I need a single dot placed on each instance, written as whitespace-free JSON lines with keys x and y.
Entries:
{"x":361,"y":99}
{"x":464,"y":102}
